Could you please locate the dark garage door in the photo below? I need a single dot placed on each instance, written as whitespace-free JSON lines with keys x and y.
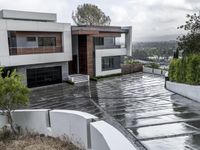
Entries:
{"x":44,"y":76}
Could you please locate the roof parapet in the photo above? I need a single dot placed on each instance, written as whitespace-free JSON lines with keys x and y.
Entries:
{"x":29,"y":16}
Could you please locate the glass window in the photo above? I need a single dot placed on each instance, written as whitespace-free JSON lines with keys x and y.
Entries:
{"x":31,"y":39}
{"x":110,"y":63}
{"x":46,"y":41}
{"x":99,"y":40}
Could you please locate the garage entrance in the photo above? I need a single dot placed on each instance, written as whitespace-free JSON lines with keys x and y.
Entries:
{"x":44,"y":76}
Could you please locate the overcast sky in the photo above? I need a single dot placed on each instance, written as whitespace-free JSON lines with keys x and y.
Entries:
{"x":151,"y":19}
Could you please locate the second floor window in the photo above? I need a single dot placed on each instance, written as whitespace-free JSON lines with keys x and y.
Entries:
{"x":99,"y":41}
{"x":46,"y":41}
{"x":31,"y":39}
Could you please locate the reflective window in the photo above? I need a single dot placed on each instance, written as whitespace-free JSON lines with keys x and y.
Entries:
{"x":99,"y":40}
{"x":31,"y":39}
{"x":46,"y":41}
{"x":110,"y":63}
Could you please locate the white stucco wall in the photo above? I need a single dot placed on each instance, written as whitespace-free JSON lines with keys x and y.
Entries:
{"x":27,"y":15}
{"x":189,"y":91}
{"x":3,"y":120}
{"x":17,"y":25}
{"x":107,"y":52}
{"x":154,"y":71}
{"x":129,"y":42}
{"x":33,"y":120}
{"x":105,"y":137}
{"x":83,"y":129}
{"x":147,"y":70}
{"x":157,"y":71}
{"x":74,"y":124}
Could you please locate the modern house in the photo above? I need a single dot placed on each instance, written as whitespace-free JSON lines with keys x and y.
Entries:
{"x":47,"y":52}
{"x":99,"y":50}
{"x":35,"y":45}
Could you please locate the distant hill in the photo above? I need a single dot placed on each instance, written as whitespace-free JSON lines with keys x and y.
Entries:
{"x":154,"y":50}
{"x":166,"y":45}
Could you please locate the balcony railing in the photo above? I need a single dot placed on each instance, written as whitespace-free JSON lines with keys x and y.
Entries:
{"x":35,"y":50}
{"x":109,"y":46}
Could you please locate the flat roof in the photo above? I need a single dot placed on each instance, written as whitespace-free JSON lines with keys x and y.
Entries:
{"x":98,"y":29}
{"x":25,"y":15}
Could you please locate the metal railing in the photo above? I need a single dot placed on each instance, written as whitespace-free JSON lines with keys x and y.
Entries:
{"x":35,"y":50}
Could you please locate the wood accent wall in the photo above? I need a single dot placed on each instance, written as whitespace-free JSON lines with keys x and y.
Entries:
{"x":86,"y":58}
{"x":51,"y":49}
{"x":90,"y":56}
{"x":82,"y":46}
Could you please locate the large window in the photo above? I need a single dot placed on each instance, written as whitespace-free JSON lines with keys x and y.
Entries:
{"x":110,"y":63}
{"x":99,"y":41}
{"x":46,"y":41}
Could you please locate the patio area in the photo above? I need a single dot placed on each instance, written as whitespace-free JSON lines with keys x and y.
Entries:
{"x":138,"y":104}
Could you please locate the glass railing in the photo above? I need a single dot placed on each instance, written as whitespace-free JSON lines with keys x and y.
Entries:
{"x":35,"y":50}
{"x":109,"y":46}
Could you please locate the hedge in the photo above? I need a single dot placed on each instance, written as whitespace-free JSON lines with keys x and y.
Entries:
{"x":153,"y":65}
{"x":185,"y":70}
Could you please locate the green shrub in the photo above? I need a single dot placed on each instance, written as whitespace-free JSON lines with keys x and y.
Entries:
{"x":185,"y":70}
{"x":153,"y":65}
{"x":130,"y":61}
{"x":172,"y":70}
{"x":193,"y":70}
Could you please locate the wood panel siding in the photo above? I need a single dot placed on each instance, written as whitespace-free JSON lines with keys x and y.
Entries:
{"x":90,"y":56}
{"x":82,"y":46}
{"x":24,"y":50}
{"x":86,"y":60}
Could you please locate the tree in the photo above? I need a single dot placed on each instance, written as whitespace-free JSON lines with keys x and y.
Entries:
{"x":88,"y":14}
{"x":12,"y":95}
{"x":190,"y":43}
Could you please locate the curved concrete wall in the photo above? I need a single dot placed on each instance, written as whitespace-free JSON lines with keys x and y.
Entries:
{"x":189,"y":91}
{"x":74,"y":124}
{"x":105,"y":137}
{"x":154,"y":71}
{"x":83,"y":129}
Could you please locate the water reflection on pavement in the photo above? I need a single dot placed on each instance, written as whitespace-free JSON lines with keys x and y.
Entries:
{"x":139,"y":102}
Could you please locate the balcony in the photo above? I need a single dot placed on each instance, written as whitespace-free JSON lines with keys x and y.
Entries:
{"x":99,"y":47}
{"x":35,"y":50}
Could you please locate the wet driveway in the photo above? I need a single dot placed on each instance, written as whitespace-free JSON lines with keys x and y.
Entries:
{"x":138,"y":102}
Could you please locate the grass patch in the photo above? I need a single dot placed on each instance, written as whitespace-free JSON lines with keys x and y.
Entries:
{"x":34,"y":142}
{"x":70,"y":82}
{"x":153,"y":65}
{"x":103,"y":77}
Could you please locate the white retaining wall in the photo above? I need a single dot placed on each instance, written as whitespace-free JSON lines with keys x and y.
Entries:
{"x":74,"y":124}
{"x":105,"y":137}
{"x":189,"y":91}
{"x":83,"y":129}
{"x":3,"y":121}
{"x":33,"y":120}
{"x":154,"y":71}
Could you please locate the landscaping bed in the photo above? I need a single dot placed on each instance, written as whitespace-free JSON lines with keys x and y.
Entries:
{"x":33,"y":142}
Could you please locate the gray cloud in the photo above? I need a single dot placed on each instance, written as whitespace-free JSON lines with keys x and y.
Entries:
{"x":151,"y":19}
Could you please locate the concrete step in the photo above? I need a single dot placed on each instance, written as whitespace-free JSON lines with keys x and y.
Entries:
{"x":78,"y":78}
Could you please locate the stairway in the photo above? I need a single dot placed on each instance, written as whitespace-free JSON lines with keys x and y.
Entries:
{"x":78,"y":78}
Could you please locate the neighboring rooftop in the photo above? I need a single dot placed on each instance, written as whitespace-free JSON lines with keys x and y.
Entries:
{"x":24,"y":15}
